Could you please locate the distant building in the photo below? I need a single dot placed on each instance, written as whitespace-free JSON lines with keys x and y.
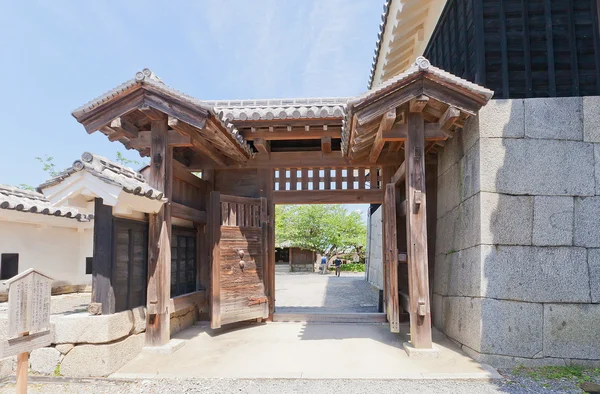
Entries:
{"x":295,"y":259}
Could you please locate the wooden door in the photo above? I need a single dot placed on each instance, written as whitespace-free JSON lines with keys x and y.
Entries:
{"x":391,"y":257}
{"x":239,"y":231}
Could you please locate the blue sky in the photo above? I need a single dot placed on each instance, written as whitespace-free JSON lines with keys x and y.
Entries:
{"x":57,"y":55}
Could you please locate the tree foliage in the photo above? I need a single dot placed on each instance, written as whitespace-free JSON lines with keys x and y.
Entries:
{"x":325,"y":229}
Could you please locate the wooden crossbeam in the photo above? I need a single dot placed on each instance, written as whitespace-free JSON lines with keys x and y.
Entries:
{"x":263,"y":146}
{"x":399,"y":132}
{"x":188,"y":213}
{"x":175,"y":140}
{"x":151,"y":113}
{"x":124,"y":127}
{"x":418,"y":104}
{"x":447,"y":120}
{"x":371,"y":196}
{"x":400,"y":174}
{"x":294,"y":133}
{"x":326,"y":144}
{"x":198,"y":142}
{"x":386,"y":124}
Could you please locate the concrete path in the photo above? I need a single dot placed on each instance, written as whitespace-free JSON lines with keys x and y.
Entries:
{"x":302,"y":293}
{"x":302,"y":350}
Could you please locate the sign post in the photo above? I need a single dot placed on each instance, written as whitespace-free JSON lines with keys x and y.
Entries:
{"x":28,"y":320}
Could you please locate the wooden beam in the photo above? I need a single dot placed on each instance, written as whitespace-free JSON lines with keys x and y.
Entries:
{"x":418,"y":104}
{"x":399,"y":132}
{"x":304,"y":159}
{"x":102,"y":288}
{"x":176,"y":140}
{"x":295,"y":133}
{"x":263,"y":146}
{"x":370,"y":196}
{"x":124,"y":127}
{"x":184,"y":174}
{"x":191,"y":114}
{"x":400,"y":174}
{"x":151,"y":113}
{"x":198,"y":142}
{"x":416,"y":229}
{"x":386,"y":124}
{"x":188,"y":213}
{"x":326,"y":144}
{"x":448,"y":118}
{"x":159,"y":235}
{"x":105,"y":113}
{"x":370,"y":111}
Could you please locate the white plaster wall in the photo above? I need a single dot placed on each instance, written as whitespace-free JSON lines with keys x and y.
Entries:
{"x":375,"y":252}
{"x":56,"y":251}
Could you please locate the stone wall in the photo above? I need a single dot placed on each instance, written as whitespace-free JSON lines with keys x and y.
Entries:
{"x":375,"y":250}
{"x":517,"y":273}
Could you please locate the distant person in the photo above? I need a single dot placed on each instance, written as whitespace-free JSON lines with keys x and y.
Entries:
{"x":323,"y":264}
{"x":338,"y":266}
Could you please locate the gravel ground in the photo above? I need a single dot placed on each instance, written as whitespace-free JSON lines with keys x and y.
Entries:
{"x":285,"y":386}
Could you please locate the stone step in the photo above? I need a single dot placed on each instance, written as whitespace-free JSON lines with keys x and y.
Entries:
{"x":282,"y":268}
{"x":327,"y":317}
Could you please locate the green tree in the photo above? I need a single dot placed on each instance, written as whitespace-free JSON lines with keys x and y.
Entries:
{"x":325,"y":229}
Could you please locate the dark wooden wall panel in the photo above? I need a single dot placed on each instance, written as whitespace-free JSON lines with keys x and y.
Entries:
{"x":243,"y":183}
{"x":521,"y":48}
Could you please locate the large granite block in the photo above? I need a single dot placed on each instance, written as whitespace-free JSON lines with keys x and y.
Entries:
{"x":594,"y":265}
{"x":84,"y":328}
{"x":100,"y":360}
{"x":572,"y":331}
{"x":537,"y":167}
{"x":506,"y":219}
{"x":502,"y":118}
{"x":448,"y":193}
{"x":440,"y":274}
{"x":464,"y":272}
{"x":587,"y":222}
{"x":456,"y":147}
{"x":44,"y":360}
{"x":535,"y":274}
{"x":552,"y":221}
{"x":437,"y":311}
{"x":597,"y":167}
{"x":559,"y":118}
{"x":459,"y":228}
{"x":591,"y":119}
{"x":462,"y":320}
{"x":468,"y":182}
{"x":511,"y":328}
{"x":498,"y":361}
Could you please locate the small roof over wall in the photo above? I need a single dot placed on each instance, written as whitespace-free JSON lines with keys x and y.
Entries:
{"x":93,"y":177}
{"x":26,"y":201}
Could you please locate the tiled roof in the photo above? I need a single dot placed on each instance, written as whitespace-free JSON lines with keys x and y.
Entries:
{"x":146,"y":76}
{"x":384,"y":15}
{"x":29,"y":201}
{"x":307,"y":108}
{"x":421,"y":65}
{"x":108,"y":172}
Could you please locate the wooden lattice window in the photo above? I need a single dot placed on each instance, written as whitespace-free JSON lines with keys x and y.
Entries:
{"x":183,"y":261}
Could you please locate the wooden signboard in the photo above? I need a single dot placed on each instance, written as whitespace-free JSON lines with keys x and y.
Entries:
{"x":28,"y":319}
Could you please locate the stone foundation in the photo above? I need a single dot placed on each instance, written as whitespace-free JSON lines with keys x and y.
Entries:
{"x":303,"y":267}
{"x":517,"y":266}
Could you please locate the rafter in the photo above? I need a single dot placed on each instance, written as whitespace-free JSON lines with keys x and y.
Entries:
{"x":386,"y":124}
{"x":326,"y":144}
{"x":198,"y":142}
{"x":263,"y":146}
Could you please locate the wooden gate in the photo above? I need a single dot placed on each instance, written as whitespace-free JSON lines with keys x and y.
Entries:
{"x":239,"y":232}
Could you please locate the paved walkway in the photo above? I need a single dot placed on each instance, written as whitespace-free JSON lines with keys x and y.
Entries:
{"x":301,"y":350}
{"x":300,"y":293}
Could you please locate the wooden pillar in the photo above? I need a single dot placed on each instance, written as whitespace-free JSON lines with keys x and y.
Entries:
{"x":266,"y":180}
{"x":214,"y":226}
{"x":416,"y":228}
{"x":390,"y":249}
{"x":102,"y":289}
{"x":159,"y":239}
{"x":386,"y":176}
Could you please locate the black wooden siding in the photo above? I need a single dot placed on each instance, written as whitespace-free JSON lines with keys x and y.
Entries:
{"x":130,"y":264}
{"x":183,"y":261}
{"x":521,"y":48}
